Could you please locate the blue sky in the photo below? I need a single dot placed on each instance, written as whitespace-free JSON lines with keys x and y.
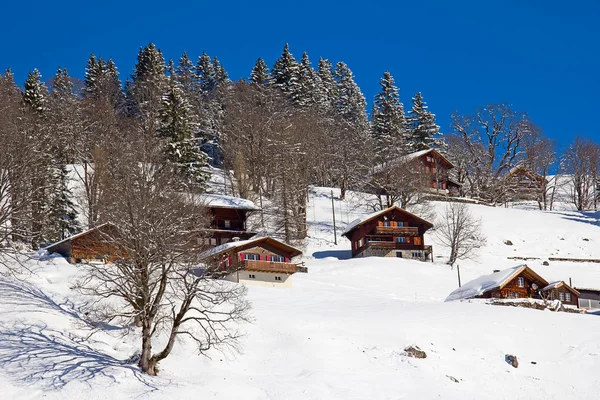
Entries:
{"x":543,"y":57}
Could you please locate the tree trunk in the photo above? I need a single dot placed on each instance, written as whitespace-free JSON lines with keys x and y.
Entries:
{"x":147,"y":364}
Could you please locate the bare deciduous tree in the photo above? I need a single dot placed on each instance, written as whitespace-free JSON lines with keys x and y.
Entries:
{"x":582,"y":162}
{"x":459,"y":231}
{"x":154,"y":279}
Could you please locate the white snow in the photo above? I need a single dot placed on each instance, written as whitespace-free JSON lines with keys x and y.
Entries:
{"x":223,"y":201}
{"x":340,"y":331}
{"x":240,"y":243}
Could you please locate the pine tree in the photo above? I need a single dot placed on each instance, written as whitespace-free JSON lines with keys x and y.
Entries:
{"x":102,"y":81}
{"x":285,"y":73}
{"x":260,"y":73}
{"x":328,"y":85}
{"x":36,"y":94}
{"x":424,"y":131}
{"x":206,"y":75}
{"x":351,"y":104}
{"x":186,"y":76}
{"x":220,"y":75}
{"x":388,"y":121}
{"x":177,"y":127}
{"x":310,"y":93}
{"x":63,"y":214}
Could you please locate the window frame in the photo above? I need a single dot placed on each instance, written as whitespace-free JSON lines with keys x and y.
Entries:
{"x":521,"y":282}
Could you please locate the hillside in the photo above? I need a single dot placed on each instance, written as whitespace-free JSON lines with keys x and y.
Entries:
{"x":340,"y":331}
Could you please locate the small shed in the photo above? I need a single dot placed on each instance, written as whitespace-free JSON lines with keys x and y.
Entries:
{"x":559,"y":290}
{"x":92,"y":245}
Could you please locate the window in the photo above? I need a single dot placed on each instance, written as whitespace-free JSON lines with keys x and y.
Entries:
{"x":213,"y":241}
{"x":386,"y":223}
{"x":513,"y":295}
{"x":227,"y":223}
{"x":252,"y":276}
{"x":273,"y":258}
{"x":250,"y":256}
{"x":281,"y":259}
{"x":568,"y":297}
{"x":561,"y":296}
{"x":399,"y":254}
{"x":521,"y":282}
{"x":401,"y":239}
{"x":400,"y":224}
{"x":416,"y":254}
{"x":277,"y":278}
{"x":361,"y":241}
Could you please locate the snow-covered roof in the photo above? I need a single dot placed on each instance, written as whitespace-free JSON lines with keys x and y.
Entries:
{"x":47,"y":248}
{"x":223,"y":201}
{"x":359,"y":221}
{"x":557,"y":284}
{"x":243,"y":243}
{"x":486,"y":283}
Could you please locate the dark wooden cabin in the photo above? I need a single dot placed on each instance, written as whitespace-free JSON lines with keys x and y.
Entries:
{"x":92,"y":245}
{"x":561,"y":291}
{"x":263,"y":260}
{"x":432,"y":166}
{"x":525,"y":184}
{"x":589,"y":298}
{"x":392,"y":232}
{"x":229,"y":218}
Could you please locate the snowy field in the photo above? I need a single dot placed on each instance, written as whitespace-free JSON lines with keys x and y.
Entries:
{"x":340,"y":331}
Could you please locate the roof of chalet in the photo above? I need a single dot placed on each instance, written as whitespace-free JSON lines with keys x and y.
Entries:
{"x":558,"y":284}
{"x":409,"y":157}
{"x":588,"y":289}
{"x":495,"y":281}
{"x":73,"y":237}
{"x":222,"y":201}
{"x":241,"y":244}
{"x":360,"y":221}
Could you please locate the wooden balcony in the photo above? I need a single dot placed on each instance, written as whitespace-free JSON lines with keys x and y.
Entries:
{"x":397,"y":230}
{"x":400,"y":246}
{"x":270,"y":266}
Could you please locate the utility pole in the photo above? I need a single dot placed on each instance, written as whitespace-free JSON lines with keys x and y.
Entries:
{"x":333,"y":212}
{"x":458,"y":271}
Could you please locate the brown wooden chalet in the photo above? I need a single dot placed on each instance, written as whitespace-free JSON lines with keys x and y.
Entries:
{"x":524,"y":183}
{"x":392,"y":232}
{"x":589,"y":298}
{"x":229,"y":216}
{"x":432,"y":165}
{"x":561,"y":291}
{"x":259,"y":260}
{"x":514,"y":283}
{"x":92,"y":245}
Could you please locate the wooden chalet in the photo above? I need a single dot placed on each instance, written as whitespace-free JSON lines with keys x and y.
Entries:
{"x":432,"y":165}
{"x":561,"y":291}
{"x":524,"y":183}
{"x":515,"y":283}
{"x":262,"y":261}
{"x":229,"y":216}
{"x":392,"y":232}
{"x":91,"y":246}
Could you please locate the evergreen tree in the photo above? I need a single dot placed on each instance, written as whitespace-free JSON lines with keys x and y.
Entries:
{"x":424,"y":131}
{"x":388,"y":121}
{"x":206,"y":75}
{"x":35,"y":94}
{"x":260,"y":73}
{"x":351,"y":104}
{"x":328,"y":85}
{"x":285,"y":73}
{"x":177,"y":127}
{"x":102,"y":81}
{"x":310,"y":91}
{"x":63,"y":214}
{"x":186,"y":76}
{"x":219,"y":74}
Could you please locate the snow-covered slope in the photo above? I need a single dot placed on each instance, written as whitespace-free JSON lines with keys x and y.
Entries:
{"x":340,"y":331}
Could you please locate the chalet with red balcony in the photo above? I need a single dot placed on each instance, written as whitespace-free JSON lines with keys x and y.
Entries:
{"x":229,"y":218}
{"x":392,"y":232}
{"x":430,"y":169}
{"x":261,"y":261}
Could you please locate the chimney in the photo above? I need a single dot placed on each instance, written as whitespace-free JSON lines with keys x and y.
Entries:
{"x":496,"y":270}
{"x":235,"y":239}
{"x":570,"y":283}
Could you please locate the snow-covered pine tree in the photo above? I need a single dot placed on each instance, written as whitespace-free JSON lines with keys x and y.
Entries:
{"x":186,"y":76}
{"x":148,"y":85}
{"x":285,"y":74}
{"x":35,"y":95}
{"x":388,"y":122}
{"x":260,"y":73}
{"x":351,"y":104}
{"x":102,"y":81}
{"x":63,"y":214}
{"x":220,"y":76}
{"x":424,"y":131}
{"x":328,"y":85}
{"x":177,"y":128}
{"x":206,"y":74}
{"x":311,"y":93}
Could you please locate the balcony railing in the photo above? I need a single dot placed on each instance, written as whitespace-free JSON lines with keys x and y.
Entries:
{"x":403,"y":230}
{"x":399,"y":246}
{"x":269,"y":266}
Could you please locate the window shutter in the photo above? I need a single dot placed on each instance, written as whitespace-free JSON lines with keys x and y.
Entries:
{"x":241,"y":256}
